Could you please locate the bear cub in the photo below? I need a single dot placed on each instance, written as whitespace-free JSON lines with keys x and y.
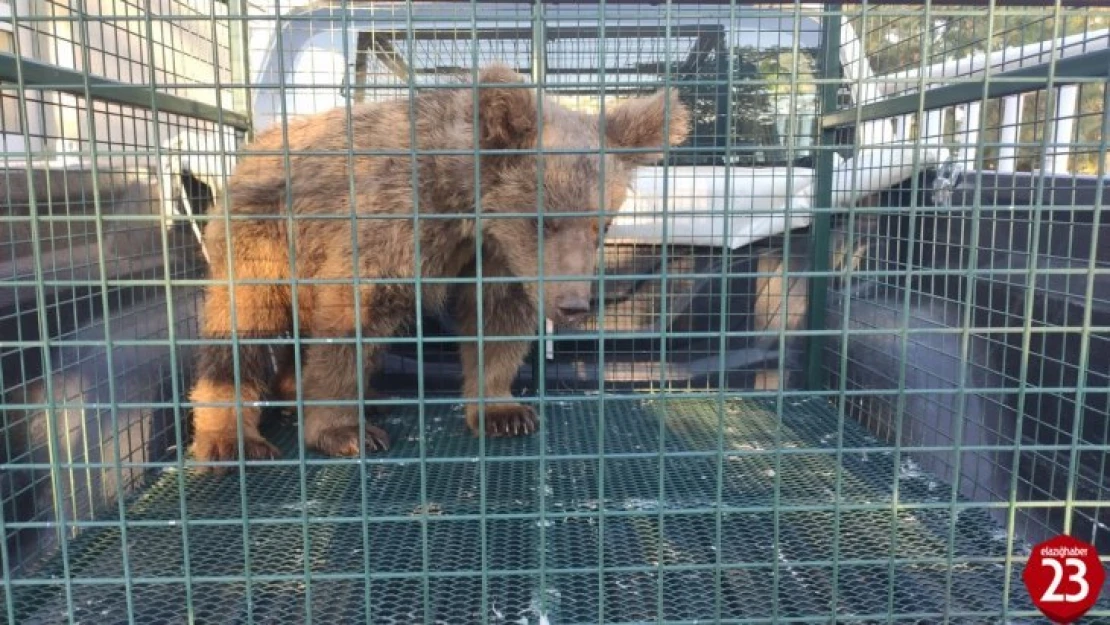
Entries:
{"x":353,"y":201}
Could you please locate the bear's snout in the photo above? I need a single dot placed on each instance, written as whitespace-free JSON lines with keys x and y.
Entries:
{"x":573,"y":306}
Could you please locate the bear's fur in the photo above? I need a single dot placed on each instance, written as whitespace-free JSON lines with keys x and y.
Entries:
{"x":326,"y":192}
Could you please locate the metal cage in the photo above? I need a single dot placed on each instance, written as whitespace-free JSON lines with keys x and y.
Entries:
{"x":845,"y":358}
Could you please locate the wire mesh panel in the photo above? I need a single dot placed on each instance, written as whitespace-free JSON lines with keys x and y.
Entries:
{"x":114,"y":123}
{"x":971,"y":322}
{"x":758,"y":313}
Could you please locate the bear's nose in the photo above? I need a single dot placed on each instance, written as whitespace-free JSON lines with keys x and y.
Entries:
{"x":574,"y":306}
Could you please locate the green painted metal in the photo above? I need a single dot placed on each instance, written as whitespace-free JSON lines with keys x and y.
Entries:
{"x":36,"y":74}
{"x":1088,"y":67}
{"x":571,"y":550}
{"x":823,"y":204}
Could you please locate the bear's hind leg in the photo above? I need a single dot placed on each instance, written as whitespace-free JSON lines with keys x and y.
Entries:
{"x":332,"y":370}
{"x":284,"y":388}
{"x":261,"y":312}
{"x":331,"y":373}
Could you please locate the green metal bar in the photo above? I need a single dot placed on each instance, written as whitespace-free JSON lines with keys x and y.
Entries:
{"x":967,"y":322}
{"x":479,"y":329}
{"x":53,"y":437}
{"x":603,"y":396}
{"x":664,"y":352}
{"x":722,"y":344}
{"x":363,"y":477}
{"x":495,"y":573}
{"x":180,"y":414}
{"x":710,"y":455}
{"x":109,"y":354}
{"x":234,"y":336}
{"x":539,"y":347}
{"x":1086,"y":66}
{"x":583,"y":514}
{"x":47,"y":378}
{"x":37,"y":75}
{"x":822,"y":200}
{"x":537,"y":358}
{"x":906,"y":296}
{"x":1028,"y":311}
{"x":241,"y":61}
{"x":840,"y":400}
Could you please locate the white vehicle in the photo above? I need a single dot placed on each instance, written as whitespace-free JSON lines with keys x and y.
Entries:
{"x":694,"y":198}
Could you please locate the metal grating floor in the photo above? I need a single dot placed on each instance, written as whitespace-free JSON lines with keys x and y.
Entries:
{"x":888,"y":557}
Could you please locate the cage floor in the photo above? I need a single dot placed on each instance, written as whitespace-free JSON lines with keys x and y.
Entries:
{"x":636,"y":536}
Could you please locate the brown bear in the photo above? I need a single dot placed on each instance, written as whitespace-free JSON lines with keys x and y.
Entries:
{"x":353,"y":202}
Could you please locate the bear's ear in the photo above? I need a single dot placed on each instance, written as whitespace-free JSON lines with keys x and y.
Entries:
{"x":507,"y":116}
{"x":643,"y":123}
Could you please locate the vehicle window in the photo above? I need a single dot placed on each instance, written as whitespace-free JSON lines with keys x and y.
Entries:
{"x":11,"y":116}
{"x":774,"y":104}
{"x":629,"y":60}
{"x":313,"y":76}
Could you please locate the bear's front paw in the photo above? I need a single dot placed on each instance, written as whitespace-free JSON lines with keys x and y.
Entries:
{"x":224,"y":446}
{"x":342,"y":440}
{"x":504,"y":420}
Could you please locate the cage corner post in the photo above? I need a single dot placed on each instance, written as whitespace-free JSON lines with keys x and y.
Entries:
{"x":241,"y":76}
{"x":820,"y":231}
{"x":538,"y":355}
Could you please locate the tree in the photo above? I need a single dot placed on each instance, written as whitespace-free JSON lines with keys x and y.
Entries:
{"x":898,"y":38}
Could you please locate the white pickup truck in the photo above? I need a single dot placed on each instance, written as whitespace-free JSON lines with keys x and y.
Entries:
{"x":745,"y":177}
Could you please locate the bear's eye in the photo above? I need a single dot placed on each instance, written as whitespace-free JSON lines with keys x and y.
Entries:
{"x":601,"y":229}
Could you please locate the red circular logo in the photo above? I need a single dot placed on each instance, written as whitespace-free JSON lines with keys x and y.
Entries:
{"x":1064,"y":577}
